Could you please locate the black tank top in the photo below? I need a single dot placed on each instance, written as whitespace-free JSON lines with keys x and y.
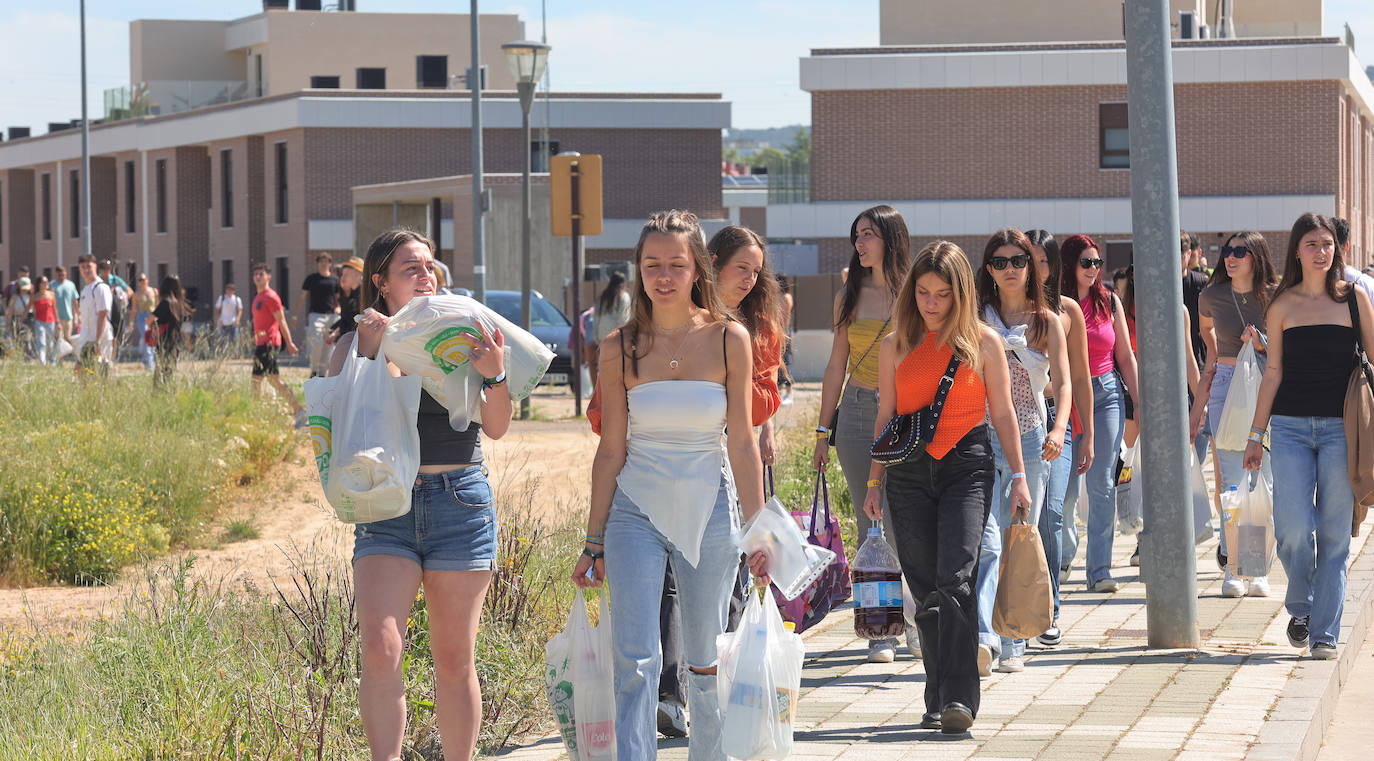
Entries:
{"x":440,"y":444}
{"x":1317,"y":360}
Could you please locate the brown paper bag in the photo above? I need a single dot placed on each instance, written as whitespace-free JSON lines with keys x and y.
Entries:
{"x":1024,"y":607}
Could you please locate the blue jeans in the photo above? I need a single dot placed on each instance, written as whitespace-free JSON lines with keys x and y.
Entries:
{"x":1109,"y":415}
{"x":1312,"y":498}
{"x":145,"y":352}
{"x":990,"y":553}
{"x":42,"y":341}
{"x":1054,"y":529}
{"x":636,"y":552}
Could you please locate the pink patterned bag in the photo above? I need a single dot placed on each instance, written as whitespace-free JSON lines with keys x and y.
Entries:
{"x":832,"y":588}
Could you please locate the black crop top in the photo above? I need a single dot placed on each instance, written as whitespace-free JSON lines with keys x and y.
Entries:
{"x":1317,"y":360}
{"x":439,"y":443}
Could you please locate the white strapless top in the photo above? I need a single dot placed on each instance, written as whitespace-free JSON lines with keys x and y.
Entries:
{"x":674,"y":457}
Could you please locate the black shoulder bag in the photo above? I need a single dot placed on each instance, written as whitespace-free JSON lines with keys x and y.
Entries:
{"x":907,"y":435}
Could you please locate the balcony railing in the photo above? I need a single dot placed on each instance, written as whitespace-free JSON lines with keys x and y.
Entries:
{"x":172,"y":96}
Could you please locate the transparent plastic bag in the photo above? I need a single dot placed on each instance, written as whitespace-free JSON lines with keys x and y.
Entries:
{"x":593,"y":687}
{"x":758,"y":680}
{"x":1255,"y":544}
{"x":793,"y":562}
{"x":1130,"y":508}
{"x":1239,"y":412}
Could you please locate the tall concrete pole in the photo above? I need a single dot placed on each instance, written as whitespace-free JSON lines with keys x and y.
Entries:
{"x":479,"y":259}
{"x":1167,"y":548}
{"x":85,"y":147}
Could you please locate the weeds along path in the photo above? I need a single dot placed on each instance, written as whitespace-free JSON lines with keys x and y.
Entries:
{"x":541,"y":467}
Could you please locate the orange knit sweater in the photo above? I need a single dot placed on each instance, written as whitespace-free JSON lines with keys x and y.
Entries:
{"x":918,"y":377}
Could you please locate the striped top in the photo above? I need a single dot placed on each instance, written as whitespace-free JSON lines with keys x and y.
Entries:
{"x":918,"y":377}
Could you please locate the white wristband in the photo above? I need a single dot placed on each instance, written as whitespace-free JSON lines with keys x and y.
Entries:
{"x":1015,"y":476}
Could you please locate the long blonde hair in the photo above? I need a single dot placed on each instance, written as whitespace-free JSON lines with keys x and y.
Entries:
{"x":686,"y":225}
{"x":961,"y":330}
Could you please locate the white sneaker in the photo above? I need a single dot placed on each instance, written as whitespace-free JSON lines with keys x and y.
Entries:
{"x":1259,"y":587}
{"x":986,"y":661}
{"x":1232,"y":586}
{"x":1011,"y":665}
{"x":882,"y":650}
{"x":913,"y":642}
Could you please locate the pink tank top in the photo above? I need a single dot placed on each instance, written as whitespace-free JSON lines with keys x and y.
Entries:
{"x":1101,"y":339}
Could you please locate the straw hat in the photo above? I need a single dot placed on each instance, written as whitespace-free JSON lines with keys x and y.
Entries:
{"x":355,"y":263}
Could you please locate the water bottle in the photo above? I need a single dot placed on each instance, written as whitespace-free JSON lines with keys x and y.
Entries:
{"x":877,"y":589}
{"x":1230,"y":512}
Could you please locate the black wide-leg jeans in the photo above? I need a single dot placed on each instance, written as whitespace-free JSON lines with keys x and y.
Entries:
{"x":938,"y":509}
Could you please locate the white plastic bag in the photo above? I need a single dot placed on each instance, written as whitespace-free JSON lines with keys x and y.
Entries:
{"x":593,"y":687}
{"x":1255,"y":546}
{"x":793,"y":562}
{"x":757,"y":683}
{"x":1202,"y":502}
{"x":1130,"y":510}
{"x":558,"y":673}
{"x":362,"y":426}
{"x":1233,"y":429}
{"x":430,"y":338}
{"x":64,"y":347}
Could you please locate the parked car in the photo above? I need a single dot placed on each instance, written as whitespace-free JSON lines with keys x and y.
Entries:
{"x":547,"y":324}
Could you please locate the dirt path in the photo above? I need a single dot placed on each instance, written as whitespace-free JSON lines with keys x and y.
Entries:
{"x":541,"y":466}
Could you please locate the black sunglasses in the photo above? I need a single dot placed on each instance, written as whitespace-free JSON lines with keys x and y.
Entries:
{"x":1089,"y":264}
{"x":1239,"y":252}
{"x":1017,"y":262}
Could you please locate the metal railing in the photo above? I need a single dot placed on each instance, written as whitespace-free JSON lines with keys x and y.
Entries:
{"x":159,"y":97}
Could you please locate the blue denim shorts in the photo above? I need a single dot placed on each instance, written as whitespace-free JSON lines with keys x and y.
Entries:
{"x":451,"y":525}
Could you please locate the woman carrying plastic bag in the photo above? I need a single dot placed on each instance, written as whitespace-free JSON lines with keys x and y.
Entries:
{"x":758,"y":680}
{"x":447,"y":538}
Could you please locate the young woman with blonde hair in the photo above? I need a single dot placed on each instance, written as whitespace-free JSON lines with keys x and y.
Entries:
{"x":940,"y":498}
{"x":673,"y":379}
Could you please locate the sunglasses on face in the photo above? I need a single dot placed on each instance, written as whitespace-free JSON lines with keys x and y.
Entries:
{"x":1017,"y":262}
{"x":1239,"y":252}
{"x":1088,"y":264}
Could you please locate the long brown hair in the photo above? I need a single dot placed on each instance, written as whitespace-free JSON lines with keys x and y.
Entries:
{"x":1292,"y":266}
{"x":760,"y":310}
{"x":896,"y":257}
{"x":961,"y":329}
{"x":1263,"y":277}
{"x":686,"y":225}
{"x":378,"y":259}
{"x":988,"y":295}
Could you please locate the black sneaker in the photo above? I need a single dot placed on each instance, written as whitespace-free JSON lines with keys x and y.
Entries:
{"x":1297,"y":631}
{"x":930,"y":720}
{"x":1221,"y":558}
{"x":1323,"y":651}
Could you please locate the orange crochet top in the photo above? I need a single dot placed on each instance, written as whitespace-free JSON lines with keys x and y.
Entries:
{"x":918,"y":376}
{"x":767,"y":357}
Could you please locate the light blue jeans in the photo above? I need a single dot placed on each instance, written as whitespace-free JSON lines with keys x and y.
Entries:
{"x":635,"y":552}
{"x":145,"y":352}
{"x":990,"y":554}
{"x":1109,"y":416}
{"x":1312,"y":499}
{"x":42,"y":342}
{"x":1056,"y":531}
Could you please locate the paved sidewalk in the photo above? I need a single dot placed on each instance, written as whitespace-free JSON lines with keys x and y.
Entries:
{"x":1100,"y":694}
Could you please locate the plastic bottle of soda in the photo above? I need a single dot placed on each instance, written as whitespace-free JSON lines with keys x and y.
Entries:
{"x":877,"y":589}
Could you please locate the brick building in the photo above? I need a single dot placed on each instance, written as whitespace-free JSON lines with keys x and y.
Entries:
{"x":965,"y":129}
{"x":240,"y":178}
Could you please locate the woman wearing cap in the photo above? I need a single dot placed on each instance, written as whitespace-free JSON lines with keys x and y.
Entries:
{"x":350,"y":277}
{"x":18,"y":309}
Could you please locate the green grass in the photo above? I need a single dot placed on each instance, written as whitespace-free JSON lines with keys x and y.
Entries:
{"x":100,"y":474}
{"x":240,"y":530}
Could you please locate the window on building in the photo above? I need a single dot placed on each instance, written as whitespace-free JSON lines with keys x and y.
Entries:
{"x":431,"y":71}
{"x":226,"y":273}
{"x":540,"y":154}
{"x":1113,"y":137}
{"x":281,"y":184}
{"x":161,"y":272}
{"x":283,"y":280}
{"x":45,"y":193}
{"x":74,"y":214}
{"x":371,"y":79}
{"x":226,"y":187}
{"x":129,"y":225}
{"x":160,"y":167}
{"x":324,"y":83}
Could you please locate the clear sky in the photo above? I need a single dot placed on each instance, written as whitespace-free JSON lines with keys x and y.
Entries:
{"x":745,"y":49}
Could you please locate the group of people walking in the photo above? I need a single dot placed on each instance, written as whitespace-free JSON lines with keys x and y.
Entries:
{"x":1033,"y":361}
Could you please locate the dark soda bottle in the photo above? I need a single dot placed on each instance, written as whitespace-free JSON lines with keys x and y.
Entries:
{"x":877,"y":580}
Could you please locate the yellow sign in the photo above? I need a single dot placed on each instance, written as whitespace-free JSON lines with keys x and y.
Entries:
{"x":587,"y":171}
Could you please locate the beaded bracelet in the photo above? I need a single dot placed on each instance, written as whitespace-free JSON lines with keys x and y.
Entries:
{"x":593,"y":555}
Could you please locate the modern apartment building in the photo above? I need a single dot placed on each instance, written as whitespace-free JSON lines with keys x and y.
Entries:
{"x":972,"y":116}
{"x":260,"y":166}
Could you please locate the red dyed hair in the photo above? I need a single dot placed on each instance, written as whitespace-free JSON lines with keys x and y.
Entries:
{"x":1070,"y":251}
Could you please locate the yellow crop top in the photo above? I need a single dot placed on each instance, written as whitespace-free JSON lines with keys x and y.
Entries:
{"x":863,"y":333}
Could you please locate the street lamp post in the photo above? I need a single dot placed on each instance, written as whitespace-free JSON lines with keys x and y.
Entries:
{"x":527,"y":60}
